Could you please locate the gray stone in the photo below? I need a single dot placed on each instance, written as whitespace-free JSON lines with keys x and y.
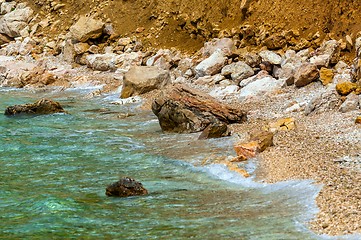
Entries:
{"x":86,"y":28}
{"x":27,"y":46}
{"x":324,"y":101}
{"x":238,"y":71}
{"x":102,"y":62}
{"x":143,"y":79}
{"x":226,"y":45}
{"x":261,"y":86}
{"x":350,"y":104}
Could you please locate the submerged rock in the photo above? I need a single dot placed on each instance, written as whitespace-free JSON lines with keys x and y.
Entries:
{"x":125,"y":187}
{"x":184,"y":110}
{"x":43,"y":106}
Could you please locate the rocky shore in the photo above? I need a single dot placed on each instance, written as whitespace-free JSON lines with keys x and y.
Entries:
{"x":312,"y":82}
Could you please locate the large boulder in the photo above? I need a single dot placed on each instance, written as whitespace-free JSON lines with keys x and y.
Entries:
{"x":86,"y":28}
{"x":143,"y":79}
{"x":12,"y":23}
{"x":125,"y":187}
{"x":184,"y":110}
{"x":43,"y":106}
{"x":261,"y":86}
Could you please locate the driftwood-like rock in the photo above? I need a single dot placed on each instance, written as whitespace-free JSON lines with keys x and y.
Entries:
{"x":125,"y":187}
{"x":43,"y":106}
{"x":182,"y":109}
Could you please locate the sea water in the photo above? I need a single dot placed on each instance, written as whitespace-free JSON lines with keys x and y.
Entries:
{"x":55,"y":168}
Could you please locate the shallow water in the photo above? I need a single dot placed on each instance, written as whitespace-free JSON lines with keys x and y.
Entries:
{"x":55,"y":168}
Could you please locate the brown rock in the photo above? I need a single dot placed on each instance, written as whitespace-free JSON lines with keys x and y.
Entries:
{"x":43,"y":106}
{"x":125,"y":187}
{"x":346,"y":88}
{"x":306,"y":74}
{"x":326,"y":76}
{"x":259,"y":141}
{"x":183,"y":109}
{"x":235,"y":168}
{"x":215,"y":130}
{"x":284,"y":124}
{"x":358,"y":120}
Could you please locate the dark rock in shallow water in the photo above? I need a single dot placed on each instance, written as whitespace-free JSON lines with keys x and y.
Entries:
{"x":126,"y":187}
{"x":182,"y":109}
{"x":43,"y":106}
{"x":215,"y":130}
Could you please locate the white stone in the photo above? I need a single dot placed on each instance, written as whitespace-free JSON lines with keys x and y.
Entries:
{"x":102,"y":62}
{"x":261,"y":86}
{"x":222,"y":92}
{"x":211,"y":65}
{"x":350,"y":104}
{"x":13,"y":22}
{"x":226,"y":45}
{"x":7,"y":7}
{"x":271,"y":57}
{"x":26,"y":46}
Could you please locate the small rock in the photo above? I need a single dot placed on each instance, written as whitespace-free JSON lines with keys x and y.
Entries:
{"x":81,"y":48}
{"x":346,"y":88}
{"x":358,"y":120}
{"x":284,"y":124}
{"x":306,"y":74}
{"x":215,"y":130}
{"x":238,"y":71}
{"x":271,"y":57}
{"x":225,"y":45}
{"x":326,"y":76}
{"x":350,"y":104}
{"x":126,"y":187}
{"x":211,"y":65}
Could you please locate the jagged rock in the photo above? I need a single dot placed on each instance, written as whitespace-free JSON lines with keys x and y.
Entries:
{"x":287,"y":73}
{"x":182,"y":109}
{"x":7,"y":7}
{"x":259,"y":141}
{"x":86,"y":28}
{"x":4,"y":39}
{"x":126,"y":187}
{"x":27,"y":46}
{"x":238,"y":71}
{"x":251,"y":59}
{"x":271,"y":57}
{"x":43,"y":106}
{"x":102,"y":62}
{"x":81,"y":48}
{"x":143,"y":79}
{"x":346,"y":88}
{"x":350,"y":104}
{"x":306,"y":74}
{"x":224,"y":91}
{"x":215,"y":130}
{"x":328,"y":53}
{"x":12,"y":23}
{"x":325,"y":101}
{"x":326,"y":76}
{"x":225,"y":45}
{"x":261,"y":86}
{"x":211,"y":65}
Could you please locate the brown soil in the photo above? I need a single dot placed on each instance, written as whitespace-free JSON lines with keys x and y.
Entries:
{"x":187,"y":24}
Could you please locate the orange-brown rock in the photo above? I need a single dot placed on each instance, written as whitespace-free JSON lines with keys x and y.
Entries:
{"x":326,"y":76}
{"x":346,"y":88}
{"x":235,"y":168}
{"x":184,"y":110}
{"x":259,"y":142}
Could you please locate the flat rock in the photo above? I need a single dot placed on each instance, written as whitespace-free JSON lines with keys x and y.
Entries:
{"x":125,"y":187}
{"x":43,"y":106}
{"x":182,"y":109}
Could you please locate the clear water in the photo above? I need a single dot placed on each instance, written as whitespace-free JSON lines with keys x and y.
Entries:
{"x":55,"y":168}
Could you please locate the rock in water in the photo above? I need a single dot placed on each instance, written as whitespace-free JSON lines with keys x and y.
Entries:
{"x":126,"y":187}
{"x":185,"y":110}
{"x":43,"y":106}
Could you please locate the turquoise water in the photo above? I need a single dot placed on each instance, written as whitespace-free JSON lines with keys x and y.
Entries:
{"x":55,"y":168}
